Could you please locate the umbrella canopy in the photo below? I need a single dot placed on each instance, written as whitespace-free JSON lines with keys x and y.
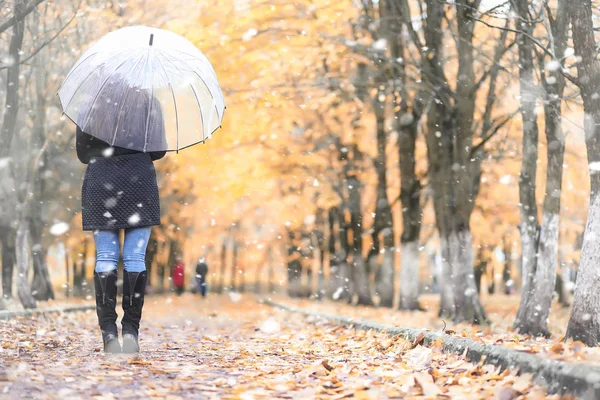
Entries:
{"x":144,"y":89}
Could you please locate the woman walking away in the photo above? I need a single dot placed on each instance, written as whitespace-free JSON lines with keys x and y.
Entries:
{"x":120,"y":192}
{"x":112,"y":94}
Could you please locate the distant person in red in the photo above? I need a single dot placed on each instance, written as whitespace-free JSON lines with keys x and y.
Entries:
{"x":178,"y":276}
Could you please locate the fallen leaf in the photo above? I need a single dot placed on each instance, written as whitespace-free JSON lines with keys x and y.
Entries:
{"x":419,"y":357}
{"x":138,"y":361}
{"x":326,"y":365}
{"x":425,"y":380}
{"x":418,"y":340}
{"x":557,"y":348}
{"x":523,"y":383}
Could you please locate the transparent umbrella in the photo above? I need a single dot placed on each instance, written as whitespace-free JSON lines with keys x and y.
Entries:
{"x":144,"y":89}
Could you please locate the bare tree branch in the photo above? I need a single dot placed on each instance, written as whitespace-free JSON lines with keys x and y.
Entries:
{"x":11,"y":21}
{"x":48,"y":41}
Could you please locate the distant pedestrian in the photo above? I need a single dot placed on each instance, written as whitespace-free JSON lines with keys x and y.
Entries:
{"x":201,"y":272}
{"x":179,"y":276}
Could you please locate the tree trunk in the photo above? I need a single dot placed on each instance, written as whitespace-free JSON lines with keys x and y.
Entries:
{"x":410,"y":188}
{"x":480,"y":271}
{"x":336,"y":286}
{"x":318,"y":238}
{"x":584,"y":322}
{"x":271,"y":272}
{"x":307,"y":261}
{"x":383,"y":221}
{"x":409,"y":276}
{"x":507,"y":268}
{"x":160,"y":268}
{"x":259,"y":273}
{"x":241,"y":272}
{"x":410,"y":197}
{"x":223,"y":265}
{"x":234,"y":266}
{"x":67,"y":267}
{"x":360,"y":278}
{"x":294,"y":266}
{"x":12,"y":80}
{"x":466,"y":301}
{"x":23,"y":264}
{"x":41,"y":286}
{"x":8,"y":261}
{"x":535,"y":315}
{"x":174,"y":254}
{"x":340,"y":271}
{"x":447,"y":307}
{"x":537,"y":296}
{"x":565,"y":294}
{"x":528,"y":205}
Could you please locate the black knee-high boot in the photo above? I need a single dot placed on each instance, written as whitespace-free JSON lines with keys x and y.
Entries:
{"x":105,"y":284}
{"x":134,"y":287}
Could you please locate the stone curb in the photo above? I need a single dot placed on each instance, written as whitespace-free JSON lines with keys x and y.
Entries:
{"x":5,"y":315}
{"x":582,"y":380}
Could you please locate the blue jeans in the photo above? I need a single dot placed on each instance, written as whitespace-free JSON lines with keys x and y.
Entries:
{"x":134,"y":249}
{"x":201,"y":284}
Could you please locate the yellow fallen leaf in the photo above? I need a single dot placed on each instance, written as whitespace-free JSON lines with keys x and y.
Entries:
{"x":138,"y":361}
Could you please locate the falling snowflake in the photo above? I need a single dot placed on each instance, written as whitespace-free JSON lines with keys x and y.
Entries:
{"x":110,"y":202}
{"x":59,"y":228}
{"x":338,"y":293}
{"x":134,"y":219}
{"x":108,"y":152}
{"x":250,"y":33}
{"x":270,"y":326}
{"x":595,"y":166}
{"x":380,"y":44}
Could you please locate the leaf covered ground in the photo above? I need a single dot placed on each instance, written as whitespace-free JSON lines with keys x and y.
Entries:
{"x":235,"y":348}
{"x":501,"y":311}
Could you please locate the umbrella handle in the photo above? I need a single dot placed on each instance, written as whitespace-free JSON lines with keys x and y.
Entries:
{"x":151,"y":39}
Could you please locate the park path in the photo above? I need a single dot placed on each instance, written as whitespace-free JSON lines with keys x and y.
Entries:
{"x":233,"y":347}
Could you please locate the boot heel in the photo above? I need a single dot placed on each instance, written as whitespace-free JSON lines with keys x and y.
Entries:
{"x":112,"y":345}
{"x":134,"y":287}
{"x":130,"y":344}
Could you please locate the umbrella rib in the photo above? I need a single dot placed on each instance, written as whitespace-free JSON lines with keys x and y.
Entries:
{"x":174,"y":102}
{"x":199,"y":107}
{"x":202,"y":79}
{"x":176,"y":115}
{"x":151,"y":98}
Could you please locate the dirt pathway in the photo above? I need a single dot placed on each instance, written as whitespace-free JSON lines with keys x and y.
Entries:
{"x":234,"y":348}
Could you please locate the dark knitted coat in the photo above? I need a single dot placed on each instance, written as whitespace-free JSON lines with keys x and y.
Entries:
{"x":119,"y":189}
